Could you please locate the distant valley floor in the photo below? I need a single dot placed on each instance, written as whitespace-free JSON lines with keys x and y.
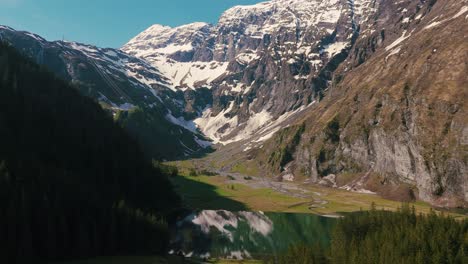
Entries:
{"x":205,"y":189}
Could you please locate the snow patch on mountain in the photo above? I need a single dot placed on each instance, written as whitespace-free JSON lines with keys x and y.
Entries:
{"x":463,"y":10}
{"x":158,"y":43}
{"x":190,"y":74}
{"x":283,"y":13}
{"x":172,"y":48}
{"x":335,"y":48}
{"x":247,"y":57}
{"x":219,"y":126}
{"x":157,"y":38}
{"x":258,"y":128}
{"x":254,"y":123}
{"x":180,"y":121}
{"x":210,"y":125}
{"x":398,"y":41}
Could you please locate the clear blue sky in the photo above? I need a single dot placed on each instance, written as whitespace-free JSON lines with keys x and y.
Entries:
{"x":106,"y":23}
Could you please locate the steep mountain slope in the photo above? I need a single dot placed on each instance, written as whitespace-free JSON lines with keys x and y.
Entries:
{"x":261,"y":62}
{"x":73,"y":184}
{"x":134,"y":91}
{"x":394,"y":119}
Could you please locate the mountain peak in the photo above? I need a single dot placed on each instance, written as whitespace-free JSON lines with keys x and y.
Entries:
{"x":157,"y":27}
{"x":157,"y":36}
{"x":194,"y":25}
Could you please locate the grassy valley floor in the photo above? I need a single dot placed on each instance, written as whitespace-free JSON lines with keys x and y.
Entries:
{"x":234,"y":192}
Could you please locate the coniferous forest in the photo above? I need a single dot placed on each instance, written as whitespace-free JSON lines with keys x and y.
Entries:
{"x":73,"y":184}
{"x":379,"y":236}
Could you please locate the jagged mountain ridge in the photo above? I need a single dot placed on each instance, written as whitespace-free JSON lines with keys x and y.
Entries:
{"x":130,"y":88}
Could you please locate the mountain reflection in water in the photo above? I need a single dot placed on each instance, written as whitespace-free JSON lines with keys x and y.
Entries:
{"x":241,"y":235}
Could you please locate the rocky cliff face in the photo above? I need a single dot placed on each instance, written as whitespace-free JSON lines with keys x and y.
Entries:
{"x":394,"y":118}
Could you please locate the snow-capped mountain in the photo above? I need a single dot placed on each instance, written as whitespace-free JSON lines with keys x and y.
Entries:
{"x":124,"y":77}
{"x":129,"y":87}
{"x":267,"y":67}
{"x":262,"y":62}
{"x":173,"y":51}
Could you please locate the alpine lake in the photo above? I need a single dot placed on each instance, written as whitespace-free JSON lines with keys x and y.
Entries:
{"x":221,"y":234}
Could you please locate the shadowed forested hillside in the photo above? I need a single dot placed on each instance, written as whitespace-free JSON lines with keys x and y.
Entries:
{"x":72,"y":182}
